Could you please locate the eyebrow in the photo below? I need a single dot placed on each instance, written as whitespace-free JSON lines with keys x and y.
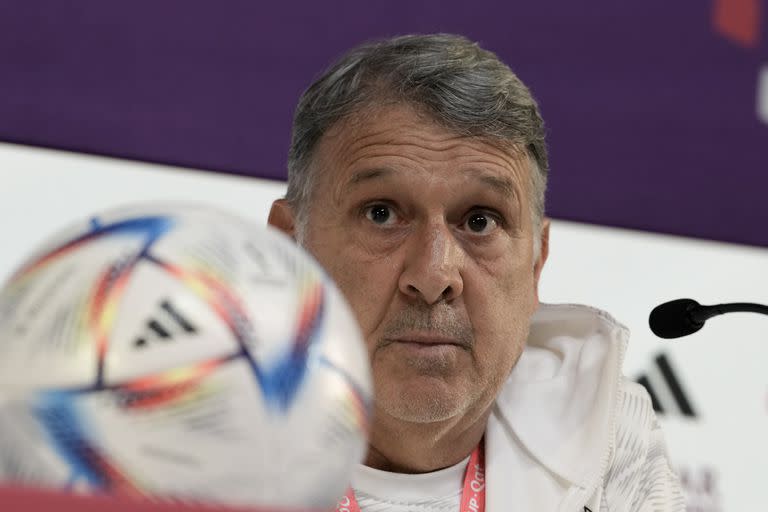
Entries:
{"x":368,"y":174}
{"x":501,"y":185}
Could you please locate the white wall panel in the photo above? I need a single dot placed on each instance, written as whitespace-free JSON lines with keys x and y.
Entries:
{"x":42,"y":190}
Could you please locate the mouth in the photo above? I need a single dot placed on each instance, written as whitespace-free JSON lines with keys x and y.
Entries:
{"x":426,"y":340}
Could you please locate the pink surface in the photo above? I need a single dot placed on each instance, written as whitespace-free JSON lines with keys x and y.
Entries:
{"x":13,"y":499}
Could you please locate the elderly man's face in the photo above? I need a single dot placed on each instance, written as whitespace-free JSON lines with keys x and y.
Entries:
{"x":429,"y":236}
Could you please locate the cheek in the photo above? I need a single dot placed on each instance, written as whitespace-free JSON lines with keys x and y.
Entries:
{"x":366,"y":278}
{"x":500,"y":305}
{"x":368,"y":285}
{"x":504,"y":285}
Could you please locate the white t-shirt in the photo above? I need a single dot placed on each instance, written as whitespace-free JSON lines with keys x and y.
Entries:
{"x":381,"y":491}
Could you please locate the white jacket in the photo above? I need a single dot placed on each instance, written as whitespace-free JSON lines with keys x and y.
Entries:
{"x":569,"y":433}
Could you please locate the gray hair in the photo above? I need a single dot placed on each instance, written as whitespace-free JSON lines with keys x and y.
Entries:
{"x":455,"y":82}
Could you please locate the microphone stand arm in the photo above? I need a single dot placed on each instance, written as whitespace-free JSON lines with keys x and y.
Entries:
{"x":703,"y":313}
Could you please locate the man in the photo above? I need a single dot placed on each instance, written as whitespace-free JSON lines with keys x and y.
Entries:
{"x":416,"y":177}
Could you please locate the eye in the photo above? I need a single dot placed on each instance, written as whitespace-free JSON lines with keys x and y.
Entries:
{"x":380,"y":214}
{"x":481,"y":223}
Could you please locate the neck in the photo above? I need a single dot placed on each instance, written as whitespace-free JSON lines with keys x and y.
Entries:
{"x":403,"y":447}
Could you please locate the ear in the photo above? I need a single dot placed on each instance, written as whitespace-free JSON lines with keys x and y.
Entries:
{"x":543,"y":253}
{"x":281,"y":217}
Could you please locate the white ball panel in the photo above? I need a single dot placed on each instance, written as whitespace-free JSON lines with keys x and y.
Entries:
{"x":151,"y":332}
{"x":47,"y":336}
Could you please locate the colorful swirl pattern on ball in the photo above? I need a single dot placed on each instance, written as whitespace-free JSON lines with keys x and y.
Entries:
{"x":68,"y":431}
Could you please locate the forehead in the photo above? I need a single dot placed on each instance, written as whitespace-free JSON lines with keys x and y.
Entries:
{"x":397,"y":135}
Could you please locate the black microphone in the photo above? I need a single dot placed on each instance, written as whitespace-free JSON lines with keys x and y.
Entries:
{"x":682,"y":317}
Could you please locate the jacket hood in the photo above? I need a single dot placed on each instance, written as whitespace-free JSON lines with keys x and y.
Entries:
{"x":561,"y":397}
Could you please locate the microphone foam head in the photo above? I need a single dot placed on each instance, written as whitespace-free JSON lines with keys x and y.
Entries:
{"x":673,"y":319}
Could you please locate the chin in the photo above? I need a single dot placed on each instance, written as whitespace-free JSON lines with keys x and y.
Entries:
{"x":428,"y":400}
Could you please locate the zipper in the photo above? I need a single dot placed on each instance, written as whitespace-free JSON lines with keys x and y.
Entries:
{"x":575,"y":500}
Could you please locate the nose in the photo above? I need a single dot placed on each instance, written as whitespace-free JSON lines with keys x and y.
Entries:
{"x":432,"y":271}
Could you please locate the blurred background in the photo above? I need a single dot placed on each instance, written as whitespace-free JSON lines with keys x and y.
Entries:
{"x":657,"y":116}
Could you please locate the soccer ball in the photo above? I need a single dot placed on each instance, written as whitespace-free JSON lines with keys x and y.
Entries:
{"x":183,"y":353}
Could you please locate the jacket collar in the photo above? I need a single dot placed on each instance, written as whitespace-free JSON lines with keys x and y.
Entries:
{"x":561,"y":398}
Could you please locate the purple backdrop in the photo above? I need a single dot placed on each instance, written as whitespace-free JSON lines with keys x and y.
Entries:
{"x":650,"y":111}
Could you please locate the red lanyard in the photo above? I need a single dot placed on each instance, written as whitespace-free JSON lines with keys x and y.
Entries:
{"x":472,"y":496}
